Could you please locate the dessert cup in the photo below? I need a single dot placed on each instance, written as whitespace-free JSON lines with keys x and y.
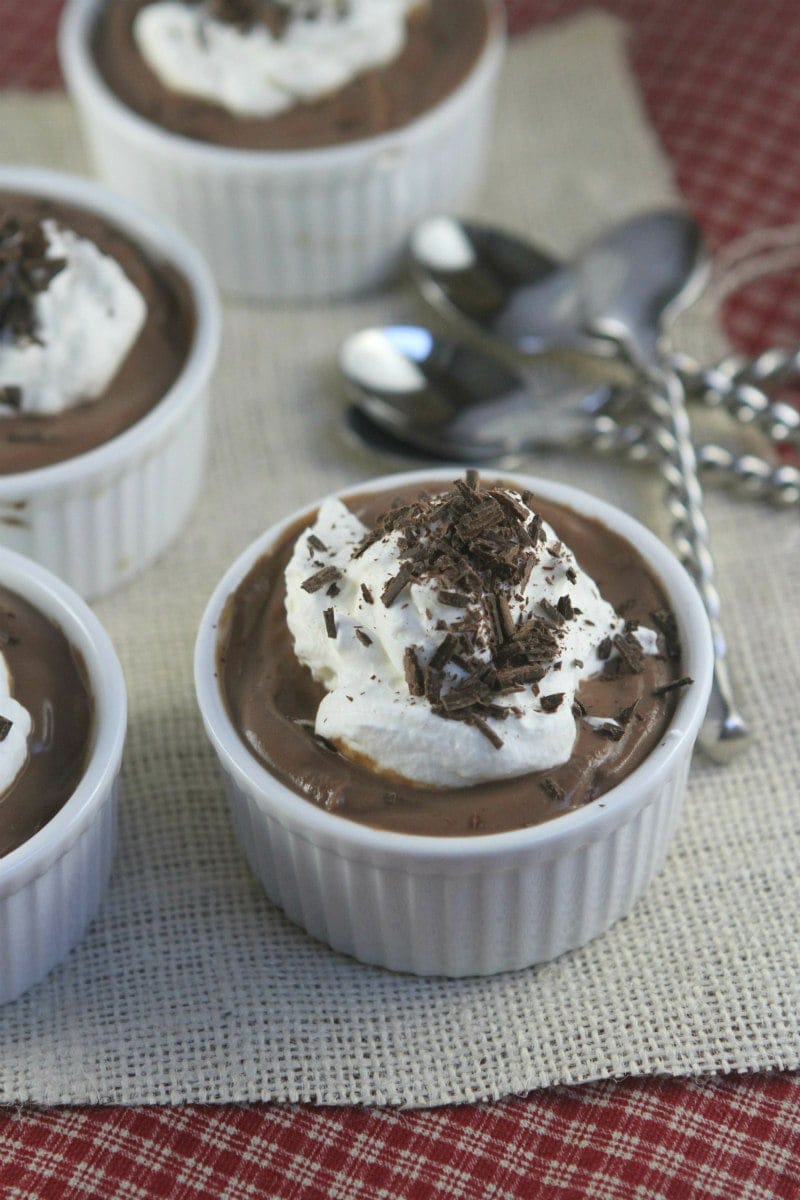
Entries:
{"x":294,"y":224}
{"x":472,"y":905}
{"x":52,"y":885}
{"x":98,"y":518}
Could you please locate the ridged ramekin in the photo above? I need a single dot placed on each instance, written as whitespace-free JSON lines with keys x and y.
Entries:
{"x":294,"y":224}
{"x":51,"y":886}
{"x":98,"y":518}
{"x":463,"y":905}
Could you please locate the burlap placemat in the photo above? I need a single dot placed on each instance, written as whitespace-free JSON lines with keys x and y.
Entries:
{"x":190,"y":986}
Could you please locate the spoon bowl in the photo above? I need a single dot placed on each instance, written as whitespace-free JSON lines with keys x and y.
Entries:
{"x":634,"y":279}
{"x":501,"y":286}
{"x":459,"y":403}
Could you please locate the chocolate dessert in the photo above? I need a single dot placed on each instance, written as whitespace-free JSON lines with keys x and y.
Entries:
{"x":48,"y":679}
{"x":443,"y":41}
{"x":476,"y":548}
{"x":28,"y":269}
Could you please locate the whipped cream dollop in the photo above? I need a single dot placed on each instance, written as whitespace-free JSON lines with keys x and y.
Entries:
{"x":451,"y":640}
{"x":15,"y":729}
{"x":252,"y":71}
{"x":84,"y":317}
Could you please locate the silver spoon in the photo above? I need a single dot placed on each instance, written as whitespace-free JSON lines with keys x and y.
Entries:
{"x":456,"y":402}
{"x":514,"y":294}
{"x":632,"y":281}
{"x":503,"y":287}
{"x":414,"y":392}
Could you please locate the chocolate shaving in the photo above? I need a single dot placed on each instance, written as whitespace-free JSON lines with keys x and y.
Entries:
{"x":624,"y":715}
{"x":454,"y":599}
{"x":530,"y":673}
{"x":535,"y":528}
{"x":363,"y":637}
{"x":330,"y":622}
{"x":564,"y":606}
{"x":11,"y":396}
{"x":316,"y":542}
{"x":554,"y":790}
{"x":5,"y":728}
{"x":395,"y":586}
{"x":605,"y":647}
{"x":321,"y":579}
{"x":571,"y":574}
{"x":492,"y":611}
{"x":433,"y":685}
{"x":578,"y":708}
{"x":530,"y":563}
{"x":552,"y":702}
{"x":551,"y":612}
{"x":631,"y":654}
{"x":367,"y":594}
{"x":466,"y":695}
{"x":671,"y":687}
{"x":369,"y":539}
{"x":468,"y":493}
{"x":444,"y":652}
{"x":487,"y":731}
{"x":666,"y":624}
{"x":612,"y":732}
{"x":506,"y":620}
{"x":415,"y":679}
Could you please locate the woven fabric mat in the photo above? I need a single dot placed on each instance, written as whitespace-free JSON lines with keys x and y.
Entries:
{"x":190,"y":986}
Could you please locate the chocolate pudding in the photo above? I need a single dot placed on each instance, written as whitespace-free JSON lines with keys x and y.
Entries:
{"x":444,"y":41}
{"x":150,"y":367}
{"x":49,"y":680}
{"x":620,"y":713}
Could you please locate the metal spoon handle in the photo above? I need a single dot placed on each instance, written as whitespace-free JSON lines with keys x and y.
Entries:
{"x":753,"y":477}
{"x":725,"y":727}
{"x":741,"y":392}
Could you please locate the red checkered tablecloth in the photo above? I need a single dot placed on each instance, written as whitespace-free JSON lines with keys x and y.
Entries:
{"x":720,"y":82}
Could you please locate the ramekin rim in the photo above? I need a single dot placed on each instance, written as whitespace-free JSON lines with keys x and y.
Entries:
{"x":83,"y":630}
{"x":157,"y":236}
{"x":317,"y":824}
{"x":80,"y":71}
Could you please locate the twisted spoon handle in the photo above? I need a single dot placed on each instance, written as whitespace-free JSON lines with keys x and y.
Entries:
{"x":752,"y":476}
{"x":741,"y":392}
{"x":725,"y":728}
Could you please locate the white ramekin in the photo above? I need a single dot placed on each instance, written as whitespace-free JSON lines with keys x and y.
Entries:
{"x":51,"y":886}
{"x":100,"y":517}
{"x":289,"y":224}
{"x":463,"y":905}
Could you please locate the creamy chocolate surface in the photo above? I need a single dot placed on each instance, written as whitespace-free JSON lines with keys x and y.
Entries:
{"x":268,"y":692}
{"x":50,"y":681}
{"x":444,"y":41}
{"x":149,"y":370}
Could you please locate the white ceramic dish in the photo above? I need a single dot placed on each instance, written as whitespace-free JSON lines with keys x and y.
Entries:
{"x":51,"y":886}
{"x":99,"y":518}
{"x":463,"y":905}
{"x":289,"y":224}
